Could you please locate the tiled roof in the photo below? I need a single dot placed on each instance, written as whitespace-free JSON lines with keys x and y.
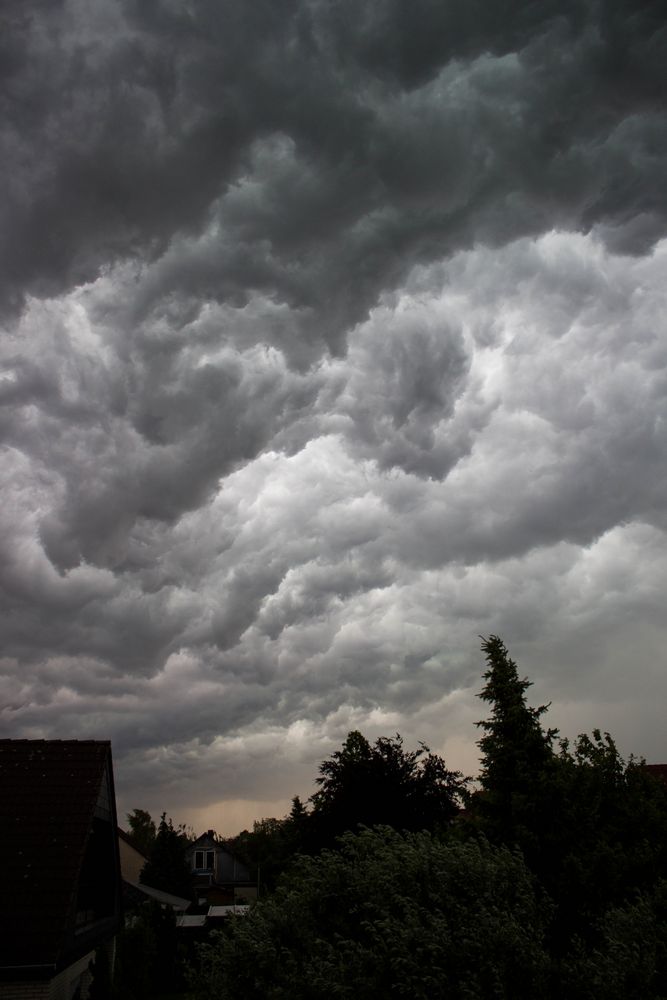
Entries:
{"x":48,"y":793}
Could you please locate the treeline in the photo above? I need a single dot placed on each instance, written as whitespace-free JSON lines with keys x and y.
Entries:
{"x":362,"y":784}
{"x":549,"y":880}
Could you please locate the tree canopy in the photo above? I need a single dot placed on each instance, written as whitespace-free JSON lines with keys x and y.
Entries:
{"x":517,"y":757}
{"x":552,"y":883}
{"x":365,"y":784}
{"x":388,"y":915}
{"x":591,"y":826}
{"x":166,"y":868}
{"x":142,"y":830}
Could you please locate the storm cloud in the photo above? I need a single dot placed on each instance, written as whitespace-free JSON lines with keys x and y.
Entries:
{"x":333,"y":335}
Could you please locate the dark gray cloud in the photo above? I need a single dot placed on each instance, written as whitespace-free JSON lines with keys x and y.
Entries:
{"x":311,"y":139}
{"x":333,"y":336}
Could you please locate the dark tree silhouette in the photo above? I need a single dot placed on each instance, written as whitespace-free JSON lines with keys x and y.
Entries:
{"x":517,"y":754}
{"x":166,"y":868}
{"x":142,"y":830}
{"x":366,"y":785}
{"x":591,"y":826}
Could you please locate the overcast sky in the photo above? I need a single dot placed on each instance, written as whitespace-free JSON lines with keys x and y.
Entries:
{"x":334,"y":335}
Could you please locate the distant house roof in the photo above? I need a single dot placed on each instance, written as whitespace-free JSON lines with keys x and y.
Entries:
{"x":56,"y":803}
{"x":658,"y":771}
{"x":164,"y":898}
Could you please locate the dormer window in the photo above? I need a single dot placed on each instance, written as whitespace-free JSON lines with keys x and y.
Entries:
{"x":204,"y":860}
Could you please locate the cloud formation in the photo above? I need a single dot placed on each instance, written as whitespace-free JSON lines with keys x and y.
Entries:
{"x":332,"y":337}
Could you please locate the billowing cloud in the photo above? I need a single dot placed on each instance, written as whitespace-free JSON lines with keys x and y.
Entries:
{"x":333,"y":337}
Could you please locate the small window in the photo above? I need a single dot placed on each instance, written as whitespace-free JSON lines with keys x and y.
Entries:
{"x":204,"y":860}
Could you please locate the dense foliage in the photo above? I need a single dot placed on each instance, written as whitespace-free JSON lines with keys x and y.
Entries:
{"x":550,"y":883}
{"x":366,"y":785}
{"x":362,"y":784}
{"x":592,"y":827}
{"x":388,"y":914}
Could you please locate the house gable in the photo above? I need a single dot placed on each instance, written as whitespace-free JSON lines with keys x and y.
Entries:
{"x":218,"y":876}
{"x":61,"y":878}
{"x":207,"y":855}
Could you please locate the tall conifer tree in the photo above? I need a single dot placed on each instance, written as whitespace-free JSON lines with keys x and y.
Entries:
{"x":517,"y":753}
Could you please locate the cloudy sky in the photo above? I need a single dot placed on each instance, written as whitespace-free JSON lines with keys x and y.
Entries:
{"x":334,"y":335}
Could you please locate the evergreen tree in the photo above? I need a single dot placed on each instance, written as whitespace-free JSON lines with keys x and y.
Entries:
{"x":518,"y":759}
{"x":592,"y":828}
{"x":166,"y":868}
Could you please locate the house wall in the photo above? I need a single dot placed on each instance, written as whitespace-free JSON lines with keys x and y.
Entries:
{"x":64,"y":985}
{"x":131,"y":861}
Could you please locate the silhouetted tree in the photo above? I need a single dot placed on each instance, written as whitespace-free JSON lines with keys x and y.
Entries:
{"x":592,"y":828}
{"x":142,"y":830}
{"x":365,"y":785}
{"x":555,"y":884}
{"x":516,"y":752}
{"x":166,"y":868}
{"x":610,"y":839}
{"x":264,"y":850}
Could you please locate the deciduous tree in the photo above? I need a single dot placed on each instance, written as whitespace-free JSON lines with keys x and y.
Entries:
{"x":142,"y":829}
{"x":388,"y":915}
{"x":365,"y":785}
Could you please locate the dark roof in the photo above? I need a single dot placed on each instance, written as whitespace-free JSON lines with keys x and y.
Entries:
{"x":136,"y":893}
{"x":49,"y":790}
{"x":209,"y":838}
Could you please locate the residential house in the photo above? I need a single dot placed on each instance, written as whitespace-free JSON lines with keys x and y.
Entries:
{"x":61,"y":884}
{"x":135,"y":893}
{"x":219,"y":878}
